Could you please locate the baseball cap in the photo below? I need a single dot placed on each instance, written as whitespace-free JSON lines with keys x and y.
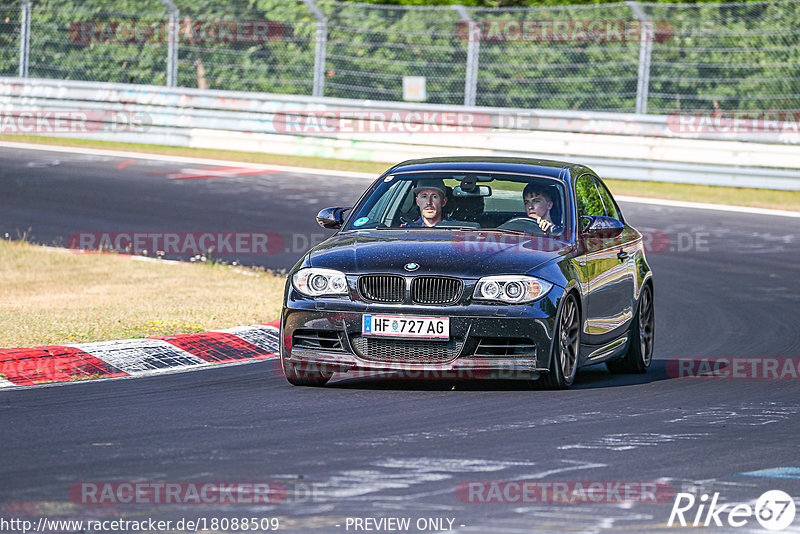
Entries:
{"x":430,"y":183}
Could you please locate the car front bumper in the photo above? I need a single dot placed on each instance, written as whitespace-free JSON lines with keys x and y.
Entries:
{"x":486,"y":341}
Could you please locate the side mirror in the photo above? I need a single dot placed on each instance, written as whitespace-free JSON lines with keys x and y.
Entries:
{"x":600,"y":226}
{"x":331,"y":218}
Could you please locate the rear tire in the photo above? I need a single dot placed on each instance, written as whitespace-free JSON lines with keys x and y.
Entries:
{"x":640,"y":345}
{"x":565,"y":346}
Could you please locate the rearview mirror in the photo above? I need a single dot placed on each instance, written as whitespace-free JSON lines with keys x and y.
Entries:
{"x":331,"y":218}
{"x":476,"y":191}
{"x":601,"y":226}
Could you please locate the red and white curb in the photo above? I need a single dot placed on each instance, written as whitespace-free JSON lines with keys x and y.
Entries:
{"x":136,"y":357}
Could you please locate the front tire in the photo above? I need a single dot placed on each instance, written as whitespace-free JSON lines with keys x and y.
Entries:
{"x":640,"y":347}
{"x":565,"y":347}
{"x":301,"y":376}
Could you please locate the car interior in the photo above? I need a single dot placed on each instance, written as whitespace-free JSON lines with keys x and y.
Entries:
{"x":473,"y":201}
{"x":467,"y":209}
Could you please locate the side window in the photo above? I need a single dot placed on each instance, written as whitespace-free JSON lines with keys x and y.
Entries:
{"x":587,"y":198}
{"x":400,"y":197}
{"x":386,"y":207}
{"x":611,"y":207}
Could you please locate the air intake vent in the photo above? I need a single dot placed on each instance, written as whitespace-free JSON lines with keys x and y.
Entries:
{"x":382,"y":287}
{"x":499,"y":347}
{"x":317,"y":339}
{"x":407,"y":351}
{"x":436,"y":290}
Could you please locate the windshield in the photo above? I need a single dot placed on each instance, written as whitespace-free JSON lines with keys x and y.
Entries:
{"x":514,"y":203}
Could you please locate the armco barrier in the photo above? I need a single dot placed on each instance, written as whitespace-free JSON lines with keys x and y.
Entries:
{"x":624,"y":146}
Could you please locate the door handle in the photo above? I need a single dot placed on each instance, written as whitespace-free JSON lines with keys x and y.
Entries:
{"x":621,"y":255}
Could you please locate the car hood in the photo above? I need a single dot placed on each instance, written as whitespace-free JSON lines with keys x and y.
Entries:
{"x":461,"y":253}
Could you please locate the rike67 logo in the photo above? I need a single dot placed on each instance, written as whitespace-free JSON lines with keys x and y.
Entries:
{"x":774,"y":510}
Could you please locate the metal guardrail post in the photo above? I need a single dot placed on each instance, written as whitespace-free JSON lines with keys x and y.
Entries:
{"x":320,"y":51}
{"x":473,"y":51}
{"x":645,"y":49}
{"x":25,"y":38}
{"x":172,"y":43}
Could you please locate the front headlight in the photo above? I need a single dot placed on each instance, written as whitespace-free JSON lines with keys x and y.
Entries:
{"x":511,"y":289}
{"x":314,"y":282}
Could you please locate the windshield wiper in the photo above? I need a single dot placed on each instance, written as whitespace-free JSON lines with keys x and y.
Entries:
{"x":507,"y":231}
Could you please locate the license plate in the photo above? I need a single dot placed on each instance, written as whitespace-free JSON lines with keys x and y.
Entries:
{"x":408,"y":327}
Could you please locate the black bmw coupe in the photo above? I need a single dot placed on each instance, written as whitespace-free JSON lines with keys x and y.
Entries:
{"x":472,"y":267}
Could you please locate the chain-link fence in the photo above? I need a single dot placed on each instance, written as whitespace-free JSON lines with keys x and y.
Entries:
{"x":88,"y":41}
{"x":731,"y":56}
{"x":372,"y":47}
{"x":570,"y":57}
{"x":11,"y":27}
{"x":265,"y":46}
{"x":622,"y":57}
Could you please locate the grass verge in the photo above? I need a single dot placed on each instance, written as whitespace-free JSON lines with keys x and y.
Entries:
{"x":53,"y":297}
{"x":760,"y":198}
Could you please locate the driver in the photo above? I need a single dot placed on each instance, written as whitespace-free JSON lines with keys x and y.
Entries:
{"x":538,"y":204}
{"x":430,"y":197}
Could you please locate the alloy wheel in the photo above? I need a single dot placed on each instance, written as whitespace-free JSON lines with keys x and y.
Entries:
{"x":646,"y":326}
{"x":568,"y":343}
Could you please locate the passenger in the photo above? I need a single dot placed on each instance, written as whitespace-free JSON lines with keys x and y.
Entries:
{"x":430,"y":197}
{"x":538,"y":204}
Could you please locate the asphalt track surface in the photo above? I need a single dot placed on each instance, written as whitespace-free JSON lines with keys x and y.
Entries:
{"x":726,"y":285}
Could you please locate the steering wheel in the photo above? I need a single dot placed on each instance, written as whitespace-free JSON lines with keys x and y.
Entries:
{"x":525,"y":224}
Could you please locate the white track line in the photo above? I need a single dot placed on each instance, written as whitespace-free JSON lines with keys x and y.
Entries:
{"x":186,"y":159}
{"x":745,"y":210}
{"x":370,"y":176}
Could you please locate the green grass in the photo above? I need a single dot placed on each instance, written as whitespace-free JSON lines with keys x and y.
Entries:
{"x":55,"y":297}
{"x":761,"y":198}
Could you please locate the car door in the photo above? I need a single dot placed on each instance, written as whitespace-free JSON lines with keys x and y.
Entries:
{"x":607,"y":265}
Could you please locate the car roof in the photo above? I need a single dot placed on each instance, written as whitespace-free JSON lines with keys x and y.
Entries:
{"x":542,"y":167}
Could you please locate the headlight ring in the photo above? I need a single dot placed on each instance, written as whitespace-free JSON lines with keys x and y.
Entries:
{"x":317,"y":282}
{"x":511,"y":289}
